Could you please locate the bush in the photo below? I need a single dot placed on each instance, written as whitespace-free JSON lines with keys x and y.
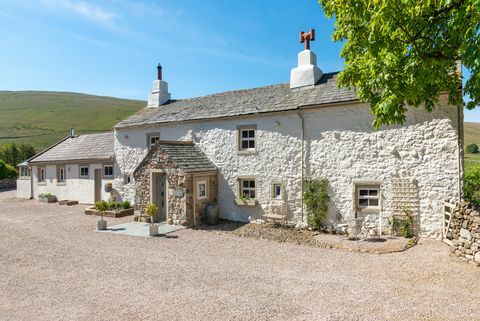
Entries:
{"x":102,"y":206}
{"x":315,"y":197}
{"x":472,"y":149}
{"x":7,"y":171}
{"x":126,"y":205}
{"x":471,"y":187}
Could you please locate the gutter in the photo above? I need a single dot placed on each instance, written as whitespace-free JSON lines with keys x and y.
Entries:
{"x":302,"y":135}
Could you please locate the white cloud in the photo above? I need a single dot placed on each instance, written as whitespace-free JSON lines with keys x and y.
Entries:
{"x":87,"y":10}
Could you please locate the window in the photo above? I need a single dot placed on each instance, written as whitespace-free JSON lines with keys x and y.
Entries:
{"x":201,"y":190}
{"x":108,"y":171}
{"x":368,"y":197}
{"x":61,"y":175}
{"x":152,"y":140}
{"x":24,"y":172}
{"x":127,"y":179}
{"x":247,"y":188}
{"x":41,"y":174}
{"x":84,"y":171}
{"x":277,"y":191}
{"x":247,"y":139}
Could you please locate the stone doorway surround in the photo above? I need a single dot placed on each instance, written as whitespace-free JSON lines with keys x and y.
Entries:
{"x":184,"y":164}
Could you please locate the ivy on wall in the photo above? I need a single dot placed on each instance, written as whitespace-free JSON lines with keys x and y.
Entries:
{"x":315,"y":198}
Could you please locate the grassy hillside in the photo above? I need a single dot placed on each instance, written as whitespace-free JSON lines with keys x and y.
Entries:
{"x":471,"y":132}
{"x":42,"y":118}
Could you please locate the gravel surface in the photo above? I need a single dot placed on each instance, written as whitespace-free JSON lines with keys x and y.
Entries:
{"x":53,"y":266}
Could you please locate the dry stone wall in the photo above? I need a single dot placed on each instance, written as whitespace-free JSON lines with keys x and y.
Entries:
{"x":463,"y":235}
{"x":8,"y":183}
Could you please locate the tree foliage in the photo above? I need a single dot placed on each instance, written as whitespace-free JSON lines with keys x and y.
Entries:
{"x":406,"y":52}
{"x":14,"y":154}
{"x":472,"y":149}
{"x":471,"y":185}
{"x":7,"y":171}
{"x":315,"y":198}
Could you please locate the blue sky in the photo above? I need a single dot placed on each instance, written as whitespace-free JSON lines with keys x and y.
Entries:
{"x":112,"y":47}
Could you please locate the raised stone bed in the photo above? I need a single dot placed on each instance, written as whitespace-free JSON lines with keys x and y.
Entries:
{"x":110,"y":213}
{"x":47,"y":198}
{"x":67,"y":202}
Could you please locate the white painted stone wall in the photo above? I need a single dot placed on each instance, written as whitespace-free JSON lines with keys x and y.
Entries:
{"x":74,"y":188}
{"x":340,"y":144}
{"x":23,"y":187}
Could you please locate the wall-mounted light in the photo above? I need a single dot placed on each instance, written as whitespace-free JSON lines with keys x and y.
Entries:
{"x":276,"y":123}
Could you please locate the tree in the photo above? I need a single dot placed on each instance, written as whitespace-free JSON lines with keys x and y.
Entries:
{"x":13,"y":154}
{"x":7,"y":171}
{"x":26,"y":151}
{"x":472,"y":149}
{"x":406,"y":52}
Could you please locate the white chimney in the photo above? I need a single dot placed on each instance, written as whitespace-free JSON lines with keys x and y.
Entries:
{"x":307,"y":73}
{"x":159,"y":94}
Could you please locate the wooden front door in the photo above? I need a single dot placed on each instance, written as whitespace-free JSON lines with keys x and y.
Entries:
{"x":98,"y":185}
{"x":159,"y":195}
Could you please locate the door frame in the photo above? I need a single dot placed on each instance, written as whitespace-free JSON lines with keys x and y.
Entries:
{"x":95,"y":171}
{"x":152,"y":173}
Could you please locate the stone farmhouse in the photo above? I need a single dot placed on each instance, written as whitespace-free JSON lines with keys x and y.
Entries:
{"x":251,"y":150}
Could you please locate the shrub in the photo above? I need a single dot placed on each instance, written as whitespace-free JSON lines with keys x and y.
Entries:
{"x":471,"y":187}
{"x":102,"y":206}
{"x":151,"y":210}
{"x":472,"y":149}
{"x":7,"y":171}
{"x":315,"y":197}
{"x":126,"y":205}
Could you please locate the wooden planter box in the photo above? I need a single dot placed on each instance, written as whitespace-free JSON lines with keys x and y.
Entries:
{"x":251,"y":202}
{"x":109,"y":213}
{"x":47,"y":199}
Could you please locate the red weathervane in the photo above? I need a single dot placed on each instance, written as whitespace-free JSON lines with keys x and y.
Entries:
{"x":307,"y":37}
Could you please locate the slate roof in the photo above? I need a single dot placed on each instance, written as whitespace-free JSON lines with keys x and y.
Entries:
{"x":187,"y":156}
{"x":243,"y":102}
{"x":81,"y":147}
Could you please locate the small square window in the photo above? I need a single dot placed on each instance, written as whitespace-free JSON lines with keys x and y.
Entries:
{"x":152,"y":140}
{"x":368,"y":197}
{"x":127,"y":179}
{"x":61,"y":175}
{"x":248,"y":188}
{"x":277,"y":191}
{"x":246,"y":139}
{"x":201,"y":189}
{"x":108,"y":171}
{"x":84,"y":171}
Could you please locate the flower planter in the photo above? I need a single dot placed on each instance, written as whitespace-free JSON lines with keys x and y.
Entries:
{"x":250,"y":202}
{"x":110,"y":213}
{"x":47,"y":199}
{"x":101,"y":225}
{"x":152,"y":229}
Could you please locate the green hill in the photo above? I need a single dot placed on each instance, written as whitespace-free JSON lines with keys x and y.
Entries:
{"x":43,"y":117}
{"x":471,"y":133}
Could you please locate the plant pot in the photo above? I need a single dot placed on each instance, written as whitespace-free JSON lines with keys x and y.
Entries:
{"x":101,"y":225}
{"x":152,"y":229}
{"x":249,"y":202}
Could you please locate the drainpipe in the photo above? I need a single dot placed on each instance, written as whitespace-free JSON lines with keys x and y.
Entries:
{"x":302,"y":137}
{"x":460,"y":151}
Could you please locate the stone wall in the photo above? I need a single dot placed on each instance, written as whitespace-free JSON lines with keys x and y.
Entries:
{"x":177,"y":179}
{"x":464,"y":233}
{"x":8,"y":183}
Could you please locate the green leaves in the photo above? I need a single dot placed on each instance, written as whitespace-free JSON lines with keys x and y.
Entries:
{"x":405,"y":53}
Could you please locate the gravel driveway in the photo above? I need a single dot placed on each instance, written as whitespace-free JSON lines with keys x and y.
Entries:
{"x":53,"y":266}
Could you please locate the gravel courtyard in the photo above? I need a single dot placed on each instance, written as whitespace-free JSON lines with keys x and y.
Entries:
{"x":53,"y":266}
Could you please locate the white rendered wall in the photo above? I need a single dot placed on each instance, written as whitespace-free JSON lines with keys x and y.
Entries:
{"x":74,"y":188}
{"x":340,"y":144}
{"x":24,"y":187}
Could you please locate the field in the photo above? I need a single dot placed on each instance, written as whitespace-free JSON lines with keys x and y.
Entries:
{"x":42,"y":118}
{"x":471,"y":132}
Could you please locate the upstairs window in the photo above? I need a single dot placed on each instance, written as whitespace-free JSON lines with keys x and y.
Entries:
{"x":108,"y":171}
{"x":152,"y":140}
{"x":368,"y":197}
{"x":247,"y":135}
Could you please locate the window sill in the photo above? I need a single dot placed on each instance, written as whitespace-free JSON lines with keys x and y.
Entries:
{"x":84,"y":177}
{"x":202,"y":198}
{"x":62,"y":184}
{"x":247,"y":152}
{"x":24,"y":178}
{"x":107,"y":177}
{"x":42,"y":183}
{"x":251,"y":202}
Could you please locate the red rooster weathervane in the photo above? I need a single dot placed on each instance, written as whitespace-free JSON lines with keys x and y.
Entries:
{"x":306,"y":37}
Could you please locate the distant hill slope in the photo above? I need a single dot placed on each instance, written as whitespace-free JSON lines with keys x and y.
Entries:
{"x":43,"y":117}
{"x":471,"y":132}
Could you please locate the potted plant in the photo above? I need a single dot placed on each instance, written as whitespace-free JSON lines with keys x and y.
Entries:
{"x":151,"y":211}
{"x":245,"y":200}
{"x":102,"y":207}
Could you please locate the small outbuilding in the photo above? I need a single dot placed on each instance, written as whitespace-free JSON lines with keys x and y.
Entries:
{"x":180,"y":179}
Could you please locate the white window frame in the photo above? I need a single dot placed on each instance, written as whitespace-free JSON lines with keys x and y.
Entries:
{"x":61,"y":174}
{"x":368,"y":197}
{"x":156,"y":140}
{"x":42,"y":174}
{"x":249,"y":189}
{"x":274,"y":191}
{"x":205,"y":190}
{"x":24,"y":171}
{"x":240,"y":139}
{"x":80,"y":172}
{"x":107,"y":175}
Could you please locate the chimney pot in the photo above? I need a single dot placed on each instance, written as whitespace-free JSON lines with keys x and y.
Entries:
{"x":72,"y":132}
{"x":159,"y":72}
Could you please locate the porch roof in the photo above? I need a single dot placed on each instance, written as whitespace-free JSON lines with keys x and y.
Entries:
{"x":187,"y":156}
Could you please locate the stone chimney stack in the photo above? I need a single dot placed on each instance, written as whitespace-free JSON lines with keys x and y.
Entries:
{"x":159,"y":94}
{"x":307,"y":73}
